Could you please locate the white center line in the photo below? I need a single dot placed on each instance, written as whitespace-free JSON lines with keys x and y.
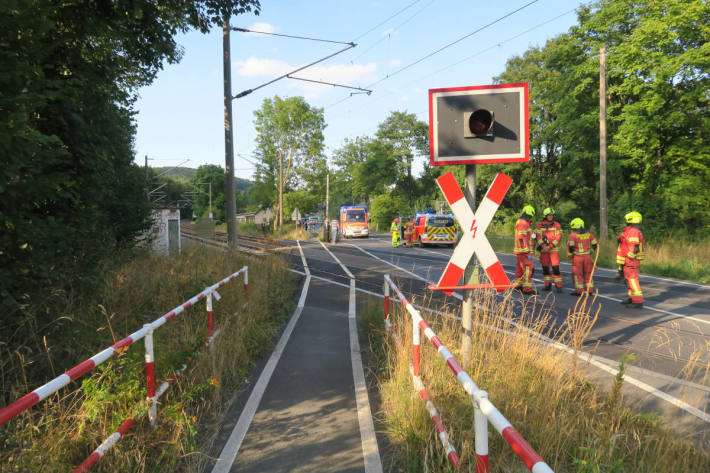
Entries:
{"x":370,"y":450}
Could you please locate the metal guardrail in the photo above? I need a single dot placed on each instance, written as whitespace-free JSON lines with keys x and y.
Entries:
{"x":146,"y":333}
{"x":484,"y":411}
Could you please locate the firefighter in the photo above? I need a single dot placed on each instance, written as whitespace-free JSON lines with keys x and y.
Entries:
{"x":579,"y":248}
{"x":522,"y":247}
{"x":549,"y":234}
{"x":394,"y":229}
{"x":632,"y":247}
{"x":409,"y":232}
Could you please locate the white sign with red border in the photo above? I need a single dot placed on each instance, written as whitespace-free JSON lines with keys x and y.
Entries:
{"x":509,"y":138}
{"x":474,"y":240}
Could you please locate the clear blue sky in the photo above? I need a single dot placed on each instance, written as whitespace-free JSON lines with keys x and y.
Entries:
{"x":181,"y":114}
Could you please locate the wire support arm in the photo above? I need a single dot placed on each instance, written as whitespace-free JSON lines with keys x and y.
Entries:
{"x":249,"y":91}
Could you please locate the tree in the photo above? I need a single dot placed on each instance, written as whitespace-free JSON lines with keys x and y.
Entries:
{"x":289,"y":138}
{"x":408,"y":138}
{"x":206,"y":176}
{"x":70,"y":193}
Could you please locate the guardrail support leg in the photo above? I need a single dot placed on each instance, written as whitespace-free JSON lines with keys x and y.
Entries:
{"x":480,"y":423}
{"x":416,"y":348}
{"x":246,"y":282}
{"x":210,"y":321}
{"x":387,"y":303}
{"x":150,"y":377}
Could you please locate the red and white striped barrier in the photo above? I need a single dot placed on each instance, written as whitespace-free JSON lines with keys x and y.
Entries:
{"x":484,"y":410}
{"x":41,"y":393}
{"x":474,"y":227}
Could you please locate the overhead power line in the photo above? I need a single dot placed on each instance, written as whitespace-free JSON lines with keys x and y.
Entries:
{"x":386,"y":20}
{"x":433,"y":53}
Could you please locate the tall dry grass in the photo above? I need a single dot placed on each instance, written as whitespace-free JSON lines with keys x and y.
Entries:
{"x":575,"y":425}
{"x":59,"y":433}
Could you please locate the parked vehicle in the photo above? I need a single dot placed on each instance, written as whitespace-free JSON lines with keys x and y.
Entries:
{"x":354,"y":221}
{"x":433,"y":228}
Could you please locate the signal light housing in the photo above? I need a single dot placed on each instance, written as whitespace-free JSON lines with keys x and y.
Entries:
{"x":478,"y":123}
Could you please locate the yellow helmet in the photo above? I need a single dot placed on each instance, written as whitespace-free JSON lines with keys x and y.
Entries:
{"x":577,"y":223}
{"x":529,"y":210}
{"x":633,"y":217}
{"x":548,"y":211}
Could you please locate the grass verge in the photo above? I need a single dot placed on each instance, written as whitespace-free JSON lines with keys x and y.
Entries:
{"x":58,"y":434}
{"x":573,"y":424}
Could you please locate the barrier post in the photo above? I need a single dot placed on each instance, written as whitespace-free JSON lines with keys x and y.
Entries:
{"x":210,"y":321}
{"x":387,"y":302}
{"x":150,"y":375}
{"x":480,"y":422}
{"x":416,"y":348}
{"x":246,"y":281}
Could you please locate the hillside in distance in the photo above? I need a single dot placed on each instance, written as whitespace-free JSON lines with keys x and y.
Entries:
{"x":184,"y":173}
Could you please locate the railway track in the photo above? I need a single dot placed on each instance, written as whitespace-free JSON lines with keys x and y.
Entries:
{"x":247,"y":243}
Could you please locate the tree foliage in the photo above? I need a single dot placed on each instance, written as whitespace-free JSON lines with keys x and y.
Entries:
{"x":69,"y":72}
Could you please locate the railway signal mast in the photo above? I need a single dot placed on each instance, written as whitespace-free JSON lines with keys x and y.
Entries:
{"x":469,"y":126}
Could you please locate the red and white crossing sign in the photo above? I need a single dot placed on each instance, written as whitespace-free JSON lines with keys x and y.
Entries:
{"x":474,"y":227}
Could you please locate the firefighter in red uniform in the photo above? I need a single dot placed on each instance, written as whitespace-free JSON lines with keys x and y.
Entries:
{"x":522,"y":247}
{"x":632,"y":248}
{"x":409,"y":232}
{"x":549,"y":234}
{"x":579,"y":248}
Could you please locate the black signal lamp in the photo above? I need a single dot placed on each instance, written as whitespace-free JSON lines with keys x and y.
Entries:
{"x":480,"y":122}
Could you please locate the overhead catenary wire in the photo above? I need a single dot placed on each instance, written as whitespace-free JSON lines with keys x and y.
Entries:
{"x":437,"y":51}
{"x":387,"y":19}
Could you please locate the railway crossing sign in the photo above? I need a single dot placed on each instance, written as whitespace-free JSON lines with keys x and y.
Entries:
{"x":474,"y":226}
{"x":479,"y":124}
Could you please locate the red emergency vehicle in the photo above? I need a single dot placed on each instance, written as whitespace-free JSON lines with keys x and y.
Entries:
{"x":435,"y":229}
{"x":354,"y":221}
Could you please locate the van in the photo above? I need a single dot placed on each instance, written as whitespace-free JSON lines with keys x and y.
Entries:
{"x":435,"y":229}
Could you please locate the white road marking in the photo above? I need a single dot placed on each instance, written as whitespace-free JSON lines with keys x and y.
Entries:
{"x":347,"y":271}
{"x":370,"y":450}
{"x":234,"y":442}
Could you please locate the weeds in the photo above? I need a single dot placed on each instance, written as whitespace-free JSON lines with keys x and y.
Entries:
{"x":573,"y":424}
{"x":58,"y":434}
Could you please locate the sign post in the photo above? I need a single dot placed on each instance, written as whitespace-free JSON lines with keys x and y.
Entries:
{"x":470,"y":126}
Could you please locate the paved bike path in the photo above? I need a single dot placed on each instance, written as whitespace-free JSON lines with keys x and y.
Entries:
{"x":307,"y":418}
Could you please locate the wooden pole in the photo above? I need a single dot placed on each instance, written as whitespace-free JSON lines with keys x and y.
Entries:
{"x":228,"y":139}
{"x":603,"y":224}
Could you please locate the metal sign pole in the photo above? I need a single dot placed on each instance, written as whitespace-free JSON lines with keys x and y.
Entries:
{"x":470,"y":273}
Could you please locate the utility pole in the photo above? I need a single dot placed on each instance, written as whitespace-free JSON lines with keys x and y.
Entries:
{"x":228,"y":139}
{"x":281,"y":189}
{"x":327,"y":197}
{"x":603,"y":224}
{"x":210,"y":187}
{"x":326,"y":223}
{"x":470,"y":275}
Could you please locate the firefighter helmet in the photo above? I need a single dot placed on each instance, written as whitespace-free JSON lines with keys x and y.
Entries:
{"x":529,"y":210}
{"x":548,"y":211}
{"x":576,"y":223}
{"x":633,"y":217}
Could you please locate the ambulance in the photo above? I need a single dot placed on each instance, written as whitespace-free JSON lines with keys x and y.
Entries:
{"x":430,"y":228}
{"x":354,"y":221}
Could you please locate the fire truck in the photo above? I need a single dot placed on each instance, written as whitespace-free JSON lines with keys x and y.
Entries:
{"x":354,"y":221}
{"x":430,"y":228}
